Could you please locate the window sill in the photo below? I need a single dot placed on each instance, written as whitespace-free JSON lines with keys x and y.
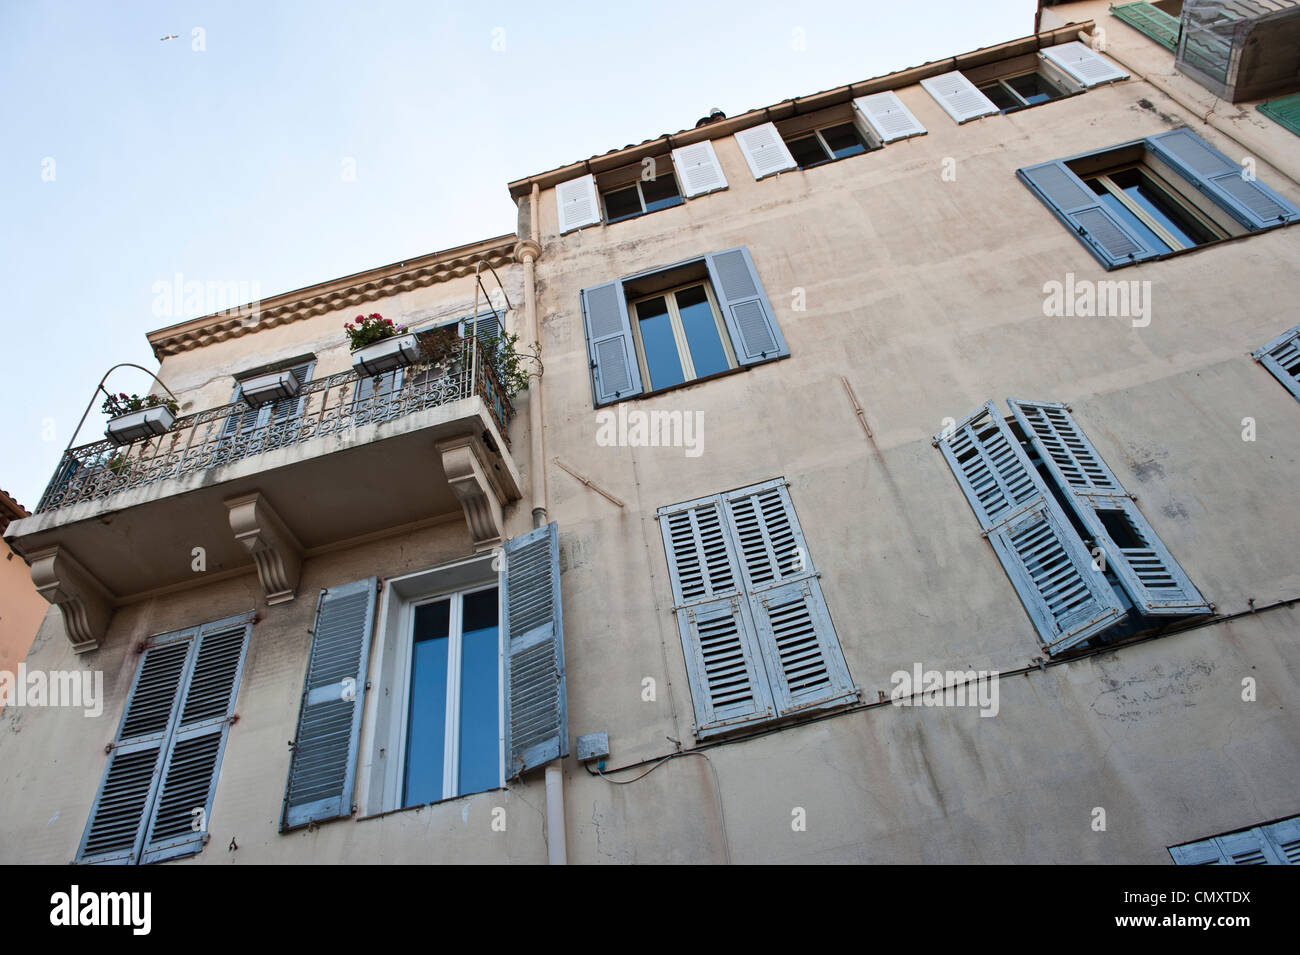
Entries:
{"x":641,"y":215}
{"x":425,"y":805}
{"x":688,"y":384}
{"x":790,"y":720}
{"x":1214,"y":243}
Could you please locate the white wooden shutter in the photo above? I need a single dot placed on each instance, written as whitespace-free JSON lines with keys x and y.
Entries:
{"x":1079,"y":61}
{"x":746,"y":311}
{"x":698,"y":169}
{"x":615,"y":374}
{"x":1281,"y":357}
{"x":1044,"y":558}
{"x":1153,"y":579}
{"x":765,"y":150}
{"x":958,"y":96}
{"x":886,"y":117}
{"x":577,"y":203}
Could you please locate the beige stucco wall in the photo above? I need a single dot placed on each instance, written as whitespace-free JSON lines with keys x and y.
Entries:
{"x":21,"y":608}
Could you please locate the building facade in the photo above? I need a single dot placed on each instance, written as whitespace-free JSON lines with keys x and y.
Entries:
{"x":906,"y":473}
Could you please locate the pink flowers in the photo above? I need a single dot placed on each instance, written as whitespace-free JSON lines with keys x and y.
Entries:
{"x":368,"y":329}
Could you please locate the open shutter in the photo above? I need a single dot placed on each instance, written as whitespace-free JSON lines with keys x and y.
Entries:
{"x":887,"y":117}
{"x":698,"y":168}
{"x":1082,"y":63}
{"x":189,"y":777}
{"x":755,"y":336}
{"x":1140,"y":559}
{"x":1151,"y":20}
{"x":1285,"y":111}
{"x":537,"y":716}
{"x":1281,"y":357}
{"x":765,"y":150}
{"x":1044,"y":558}
{"x":804,"y":662}
{"x":614,"y":370}
{"x":578,"y":204}
{"x":959,"y":96}
{"x":1249,"y":201}
{"x":1105,"y":236}
{"x":323,"y":766}
{"x":115,"y":830}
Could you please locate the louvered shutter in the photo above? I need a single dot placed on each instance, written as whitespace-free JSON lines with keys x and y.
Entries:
{"x":729,"y":684}
{"x":287,"y":408}
{"x":765,"y":150}
{"x":958,"y":96}
{"x":276,"y":411}
{"x":802,"y":655}
{"x":1069,"y":197}
{"x":698,"y":169}
{"x":189,"y":776}
{"x":578,"y":204}
{"x":887,"y":117}
{"x":322,"y":768}
{"x":488,"y":325}
{"x":1250,"y":202}
{"x":250,"y":419}
{"x":1274,"y":844}
{"x":1244,"y":848}
{"x":1153,"y":579}
{"x":1082,"y":63}
{"x":1284,"y":838}
{"x":1198,"y":853}
{"x":1284,"y":110}
{"x":755,"y":335}
{"x":1281,"y":357}
{"x":614,"y":371}
{"x":1150,"y":20}
{"x":537,"y":716}
{"x":120,"y":813}
{"x":1044,"y":558}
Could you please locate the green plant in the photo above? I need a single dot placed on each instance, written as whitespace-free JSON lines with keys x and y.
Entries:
{"x":368,"y":329}
{"x":119,"y":463}
{"x":122,"y":403}
{"x":506,"y":361}
{"x":439,"y":344}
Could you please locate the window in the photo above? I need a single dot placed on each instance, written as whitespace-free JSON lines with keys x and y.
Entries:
{"x":1274,"y":844}
{"x":276,"y":412}
{"x":468,"y":663}
{"x":648,"y":185}
{"x":641,"y":196}
{"x":755,"y":630}
{"x":162,"y":769}
{"x":1281,"y":357}
{"x":1082,"y":557}
{"x":1017,"y":92}
{"x":826,"y":135}
{"x":670,"y":326}
{"x":1155,"y":196}
{"x":826,"y":145}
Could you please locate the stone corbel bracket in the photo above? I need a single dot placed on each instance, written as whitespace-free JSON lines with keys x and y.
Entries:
{"x":274,"y":548}
{"x":86,"y":604}
{"x":467,"y":464}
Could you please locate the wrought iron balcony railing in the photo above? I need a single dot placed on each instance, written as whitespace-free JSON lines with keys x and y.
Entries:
{"x":233,"y":432}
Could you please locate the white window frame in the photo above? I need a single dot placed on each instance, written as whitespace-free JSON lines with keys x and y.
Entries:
{"x":679,"y":332}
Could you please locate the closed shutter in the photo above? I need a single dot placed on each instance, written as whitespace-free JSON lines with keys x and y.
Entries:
{"x":322,"y":768}
{"x":1244,"y":848}
{"x":1069,"y":197}
{"x":1275,"y":844}
{"x":536,"y":718}
{"x":488,"y":326}
{"x":1153,"y":579}
{"x":1281,"y":357}
{"x":1198,"y":853}
{"x":276,"y":411}
{"x":1044,"y":558}
{"x":764,"y":150}
{"x":698,"y":168}
{"x":1284,"y":838}
{"x":1249,"y":201}
{"x":958,"y":96}
{"x":1151,"y":20}
{"x":887,"y":117}
{"x":577,"y":203}
{"x":1085,"y":65}
{"x":755,"y":335}
{"x":614,"y":371}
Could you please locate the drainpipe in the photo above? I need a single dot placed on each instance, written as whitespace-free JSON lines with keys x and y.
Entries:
{"x":527,"y":252}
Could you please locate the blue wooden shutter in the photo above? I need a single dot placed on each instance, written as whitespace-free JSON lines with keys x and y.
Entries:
{"x":276,"y":411}
{"x":748,"y":314}
{"x":1044,"y":558}
{"x":323,"y":766}
{"x":1070,"y":199}
{"x":189,"y":776}
{"x":537,"y":715}
{"x":287,"y":408}
{"x":115,"y":831}
{"x":1284,"y":838}
{"x":1275,"y":844}
{"x":1153,"y":579}
{"x":1250,"y":202}
{"x":1281,"y":357}
{"x":614,"y":371}
{"x":729,"y":684}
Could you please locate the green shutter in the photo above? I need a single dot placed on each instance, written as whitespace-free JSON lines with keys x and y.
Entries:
{"x":1150,"y":20}
{"x":1284,"y":110}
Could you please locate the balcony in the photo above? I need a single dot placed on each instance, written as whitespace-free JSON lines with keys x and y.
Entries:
{"x":1240,"y":49}
{"x":220,"y":493}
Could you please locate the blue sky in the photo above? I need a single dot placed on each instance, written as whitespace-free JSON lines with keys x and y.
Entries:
{"x":125,"y":159}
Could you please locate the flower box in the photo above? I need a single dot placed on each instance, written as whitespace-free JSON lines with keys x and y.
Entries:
{"x":264,"y":389}
{"x":385,"y":355}
{"x":145,"y":423}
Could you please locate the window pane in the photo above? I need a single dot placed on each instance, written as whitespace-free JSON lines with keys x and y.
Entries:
{"x":1129,"y":219}
{"x":426,"y":729}
{"x":1154,"y":200}
{"x":1000,"y":96}
{"x":661,"y":193}
{"x":622,"y":204}
{"x":843,"y":140}
{"x":661,"y":357}
{"x":480,"y":694}
{"x":1034,"y":87}
{"x":807,"y":151}
{"x":701,"y":331}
